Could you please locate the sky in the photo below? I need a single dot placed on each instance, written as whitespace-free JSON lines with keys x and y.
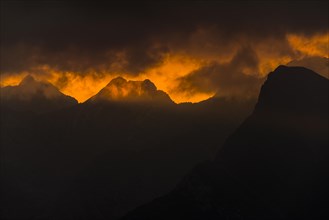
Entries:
{"x":191,"y":50}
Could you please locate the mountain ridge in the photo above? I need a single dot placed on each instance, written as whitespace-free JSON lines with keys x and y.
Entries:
{"x":35,"y":96}
{"x":122,"y":90}
{"x":274,"y":166}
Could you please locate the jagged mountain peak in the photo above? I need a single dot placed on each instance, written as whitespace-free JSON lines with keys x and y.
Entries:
{"x":122,"y":90}
{"x":34,"y":95}
{"x":28,"y":80}
{"x":118,"y":81}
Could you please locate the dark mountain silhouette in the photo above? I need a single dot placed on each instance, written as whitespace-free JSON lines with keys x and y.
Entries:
{"x":274,"y":166}
{"x":121,"y":90}
{"x":35,"y":96}
{"x":101,"y":159}
{"x":318,"y":64}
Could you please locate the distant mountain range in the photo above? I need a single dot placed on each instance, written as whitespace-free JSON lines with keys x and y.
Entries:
{"x":130,"y":144}
{"x":40,"y":96}
{"x":274,"y":166}
{"x":120,"y":149}
{"x":46,"y":97}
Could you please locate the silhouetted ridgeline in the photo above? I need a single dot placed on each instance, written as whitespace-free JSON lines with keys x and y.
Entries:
{"x":130,"y":144}
{"x":100,"y":159}
{"x":34,"y":96}
{"x":274,"y":166}
{"x":121,"y":90}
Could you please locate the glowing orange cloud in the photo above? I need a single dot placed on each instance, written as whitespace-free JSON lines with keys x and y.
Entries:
{"x":12,"y":80}
{"x":174,"y":65}
{"x":83,"y":86}
{"x":316,"y":45}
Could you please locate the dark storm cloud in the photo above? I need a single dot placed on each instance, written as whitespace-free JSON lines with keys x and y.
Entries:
{"x":78,"y":36}
{"x":233,"y":78}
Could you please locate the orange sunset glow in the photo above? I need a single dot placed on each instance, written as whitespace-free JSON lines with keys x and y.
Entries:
{"x":164,"y":110}
{"x":165,"y":74}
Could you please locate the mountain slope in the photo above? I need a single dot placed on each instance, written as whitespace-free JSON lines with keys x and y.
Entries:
{"x":35,"y":96}
{"x":275,"y":165}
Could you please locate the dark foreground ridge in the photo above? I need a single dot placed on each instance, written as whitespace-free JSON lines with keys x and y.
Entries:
{"x":274,"y":166}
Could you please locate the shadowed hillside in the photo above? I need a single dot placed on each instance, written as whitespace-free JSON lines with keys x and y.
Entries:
{"x":274,"y":166}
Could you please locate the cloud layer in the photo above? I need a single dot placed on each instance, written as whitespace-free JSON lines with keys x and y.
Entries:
{"x":190,"y":50}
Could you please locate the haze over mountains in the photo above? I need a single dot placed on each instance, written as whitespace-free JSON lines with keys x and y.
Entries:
{"x":37,"y":96}
{"x":118,"y":90}
{"x":122,"y":149}
{"x":169,"y":110}
{"x":121,"y":90}
{"x":58,"y":161}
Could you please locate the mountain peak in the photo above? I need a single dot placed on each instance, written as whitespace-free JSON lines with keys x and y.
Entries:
{"x":117,"y":81}
{"x":122,"y":90}
{"x":283,"y":144}
{"x":120,"y":83}
{"x":290,"y":88}
{"x":28,"y":80}
{"x":281,"y":68}
{"x":318,"y":64}
{"x":33,"y":95}
{"x":297,"y":72}
{"x":148,"y":85}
